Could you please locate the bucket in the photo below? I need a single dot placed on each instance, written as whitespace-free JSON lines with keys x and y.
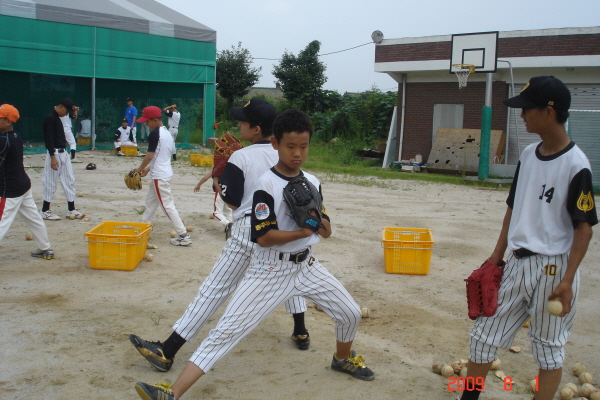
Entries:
{"x":419,"y":159}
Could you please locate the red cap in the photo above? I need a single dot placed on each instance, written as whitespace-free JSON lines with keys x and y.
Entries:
{"x":10,"y":112}
{"x":150,"y":112}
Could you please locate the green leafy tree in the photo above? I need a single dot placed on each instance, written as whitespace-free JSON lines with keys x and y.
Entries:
{"x":302,"y":77}
{"x":235,"y":77}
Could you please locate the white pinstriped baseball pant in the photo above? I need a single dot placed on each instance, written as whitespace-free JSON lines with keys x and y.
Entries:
{"x":221,"y":210}
{"x":525,"y":287}
{"x":223,"y":279}
{"x":24,"y":205}
{"x":50,"y":176}
{"x":268,"y":283}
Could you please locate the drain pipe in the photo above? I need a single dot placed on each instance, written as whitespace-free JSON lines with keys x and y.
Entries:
{"x":403,"y":109}
{"x":514,"y":113}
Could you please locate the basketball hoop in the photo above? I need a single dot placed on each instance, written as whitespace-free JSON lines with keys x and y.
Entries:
{"x":462,"y":71}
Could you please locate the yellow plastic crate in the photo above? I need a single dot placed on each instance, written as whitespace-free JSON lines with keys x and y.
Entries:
{"x":407,"y":250}
{"x":130,"y":151}
{"x":202,"y":160}
{"x":117,"y":245}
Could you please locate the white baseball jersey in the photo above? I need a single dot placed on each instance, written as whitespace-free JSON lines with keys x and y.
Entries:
{"x":237,"y":183}
{"x":161,"y":143}
{"x":274,"y":277}
{"x":173,"y":118}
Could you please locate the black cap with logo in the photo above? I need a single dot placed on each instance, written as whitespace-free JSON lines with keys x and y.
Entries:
{"x":257,"y":112}
{"x":542,"y":91}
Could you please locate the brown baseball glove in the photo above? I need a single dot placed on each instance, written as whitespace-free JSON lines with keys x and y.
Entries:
{"x":133,"y":180}
{"x":482,"y":289}
{"x":224,"y":148}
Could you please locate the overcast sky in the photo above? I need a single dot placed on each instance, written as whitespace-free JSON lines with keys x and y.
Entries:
{"x":267,"y":28}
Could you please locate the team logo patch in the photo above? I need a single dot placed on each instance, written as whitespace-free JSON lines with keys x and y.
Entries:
{"x":261,"y":211}
{"x":526,"y":86}
{"x":585,"y":202}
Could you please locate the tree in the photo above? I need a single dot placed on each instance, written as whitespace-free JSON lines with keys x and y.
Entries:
{"x":235,"y":78}
{"x":302,"y":77}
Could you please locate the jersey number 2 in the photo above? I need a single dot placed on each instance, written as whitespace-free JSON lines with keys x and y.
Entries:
{"x":547,"y":193}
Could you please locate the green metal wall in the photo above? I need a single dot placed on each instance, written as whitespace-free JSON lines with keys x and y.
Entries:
{"x":41,"y":61}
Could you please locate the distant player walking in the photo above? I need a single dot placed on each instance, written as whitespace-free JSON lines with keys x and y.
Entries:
{"x":547,"y":229}
{"x":173,"y":122}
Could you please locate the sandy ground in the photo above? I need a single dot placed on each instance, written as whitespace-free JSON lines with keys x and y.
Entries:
{"x":65,"y":326}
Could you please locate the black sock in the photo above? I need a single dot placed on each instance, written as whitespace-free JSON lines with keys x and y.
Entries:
{"x":71,"y":205}
{"x":472,"y":394}
{"x":299,"y":328}
{"x":119,"y":148}
{"x":172,"y":345}
{"x":72,"y":154}
{"x":45,"y":206}
{"x":174,"y":157}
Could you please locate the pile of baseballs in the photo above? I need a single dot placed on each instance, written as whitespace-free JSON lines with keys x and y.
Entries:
{"x":458,"y":367}
{"x":587,"y":390}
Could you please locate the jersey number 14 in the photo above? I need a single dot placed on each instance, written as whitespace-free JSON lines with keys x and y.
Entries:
{"x":547,"y":193}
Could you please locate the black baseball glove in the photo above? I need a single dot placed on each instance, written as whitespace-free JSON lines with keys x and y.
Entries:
{"x":303,"y":197}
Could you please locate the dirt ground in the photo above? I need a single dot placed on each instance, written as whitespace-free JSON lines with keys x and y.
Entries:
{"x":65,"y":326}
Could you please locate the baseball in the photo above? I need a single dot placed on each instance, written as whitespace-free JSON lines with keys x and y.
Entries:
{"x":72,"y":216}
{"x":211,"y":216}
{"x":554,"y":307}
{"x":586,"y":389}
{"x":437,"y":368}
{"x":457,"y":367}
{"x":447,"y":371}
{"x":574,"y":387}
{"x":173,"y":234}
{"x":92,"y":156}
{"x":43,"y":157}
{"x":365,"y":312}
{"x":149,"y":257}
{"x":532,"y":385}
{"x":566,"y":393}
{"x":595,"y":394}
{"x":151,"y":246}
{"x":189,"y":228}
{"x":495,"y":364}
{"x":463,"y":372}
{"x":79,"y":194}
{"x":86,"y":153}
{"x":85,"y":219}
{"x":28,"y":236}
{"x":515,"y":349}
{"x":585,"y":377}
{"x":28,"y":156}
{"x":500,"y":374}
{"x":579,"y":368}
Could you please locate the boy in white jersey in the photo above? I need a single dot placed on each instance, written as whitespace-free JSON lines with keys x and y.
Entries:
{"x":157,"y":162}
{"x":547,"y":229}
{"x":282,"y":266}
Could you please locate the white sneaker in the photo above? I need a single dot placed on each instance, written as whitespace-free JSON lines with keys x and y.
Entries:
{"x":181,"y":240}
{"x":140,"y":154}
{"x":49,"y":215}
{"x":120,"y":153}
{"x":75,"y":160}
{"x":78,"y":214}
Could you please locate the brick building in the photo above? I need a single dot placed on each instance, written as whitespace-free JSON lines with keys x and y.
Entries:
{"x":421,"y":66}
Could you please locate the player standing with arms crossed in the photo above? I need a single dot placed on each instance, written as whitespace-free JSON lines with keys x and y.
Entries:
{"x":57,"y":162}
{"x":547,"y":229}
{"x":15,"y":185}
{"x":173,"y":122}
{"x":157,"y":162}
{"x":237,"y":184}
{"x":282,"y":266}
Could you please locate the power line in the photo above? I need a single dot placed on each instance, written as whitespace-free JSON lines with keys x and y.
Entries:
{"x":318,"y":55}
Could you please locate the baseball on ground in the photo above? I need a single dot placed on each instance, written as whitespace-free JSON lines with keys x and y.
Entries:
{"x":72,"y":216}
{"x":495,"y":364}
{"x":365,"y":312}
{"x":149,"y":257}
{"x":566,"y":393}
{"x":554,"y":307}
{"x":447,"y":371}
{"x":574,"y":387}
{"x":463,"y":372}
{"x":457,"y":367}
{"x":437,"y":368}
{"x":586,"y":389}
{"x":189,"y":228}
{"x":579,"y":368}
{"x":532,"y":385}
{"x":173,"y":234}
{"x":28,"y":236}
{"x":211,"y":216}
{"x":79,"y":194}
{"x":585,"y":377}
{"x":595,"y":394}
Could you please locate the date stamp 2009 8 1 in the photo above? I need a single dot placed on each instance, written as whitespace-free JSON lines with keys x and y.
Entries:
{"x":470,"y":383}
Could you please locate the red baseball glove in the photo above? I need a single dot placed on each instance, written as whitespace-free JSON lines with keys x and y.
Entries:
{"x":482,"y":289}
{"x":224,"y":148}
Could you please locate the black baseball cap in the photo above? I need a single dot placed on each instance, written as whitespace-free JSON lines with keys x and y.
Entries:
{"x":130,"y":99}
{"x":257,"y":112}
{"x":67,"y":103}
{"x":542,"y":91}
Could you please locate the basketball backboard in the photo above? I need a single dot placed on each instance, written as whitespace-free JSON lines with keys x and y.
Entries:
{"x":479,"y":49}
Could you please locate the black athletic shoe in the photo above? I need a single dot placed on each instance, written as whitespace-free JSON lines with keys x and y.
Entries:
{"x":153,"y":352}
{"x":355,"y":366}
{"x":302,"y":341}
{"x":158,"y":391}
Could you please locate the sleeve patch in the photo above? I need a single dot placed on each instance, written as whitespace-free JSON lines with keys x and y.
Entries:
{"x":261,"y":211}
{"x":585,"y":202}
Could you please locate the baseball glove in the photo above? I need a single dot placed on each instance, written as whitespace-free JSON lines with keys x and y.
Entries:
{"x":224,"y":148}
{"x":133,"y":180}
{"x":302,"y":197}
{"x":482,"y":289}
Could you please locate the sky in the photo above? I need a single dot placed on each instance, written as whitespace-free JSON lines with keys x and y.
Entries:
{"x":269,"y":28}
